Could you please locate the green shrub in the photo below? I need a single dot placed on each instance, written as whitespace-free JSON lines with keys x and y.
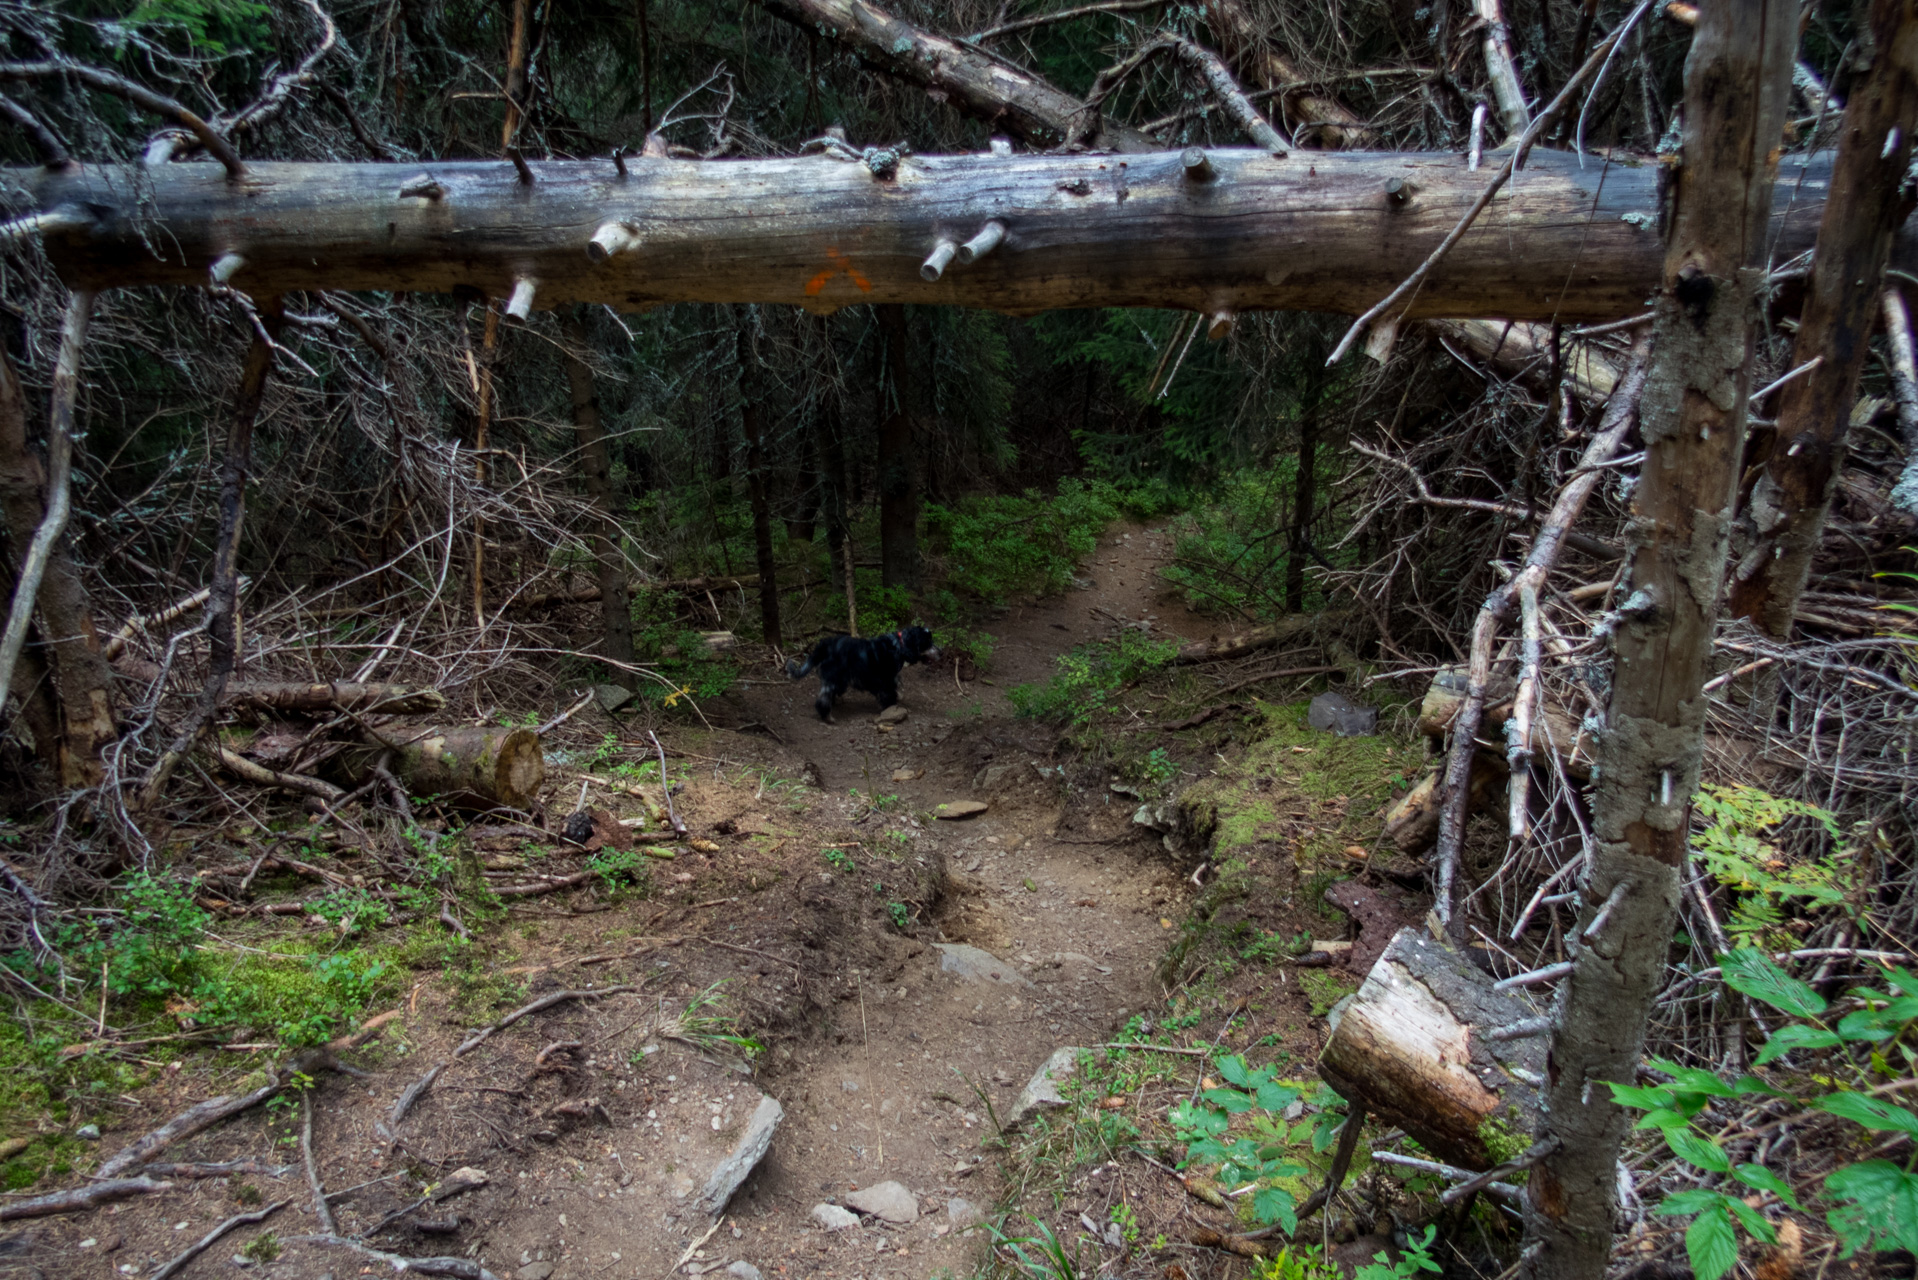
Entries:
{"x":1087,"y":680}
{"x":998,"y":546}
{"x":1872,"y":1204}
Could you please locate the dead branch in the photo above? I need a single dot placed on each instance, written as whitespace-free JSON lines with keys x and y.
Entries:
{"x":458,"y":1268}
{"x":1412,"y":282}
{"x":195,"y":1119}
{"x":1620,"y":412}
{"x":206,"y":1241}
{"x":139,"y":96}
{"x":79,"y":1198}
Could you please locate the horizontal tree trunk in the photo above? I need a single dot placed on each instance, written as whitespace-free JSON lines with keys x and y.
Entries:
{"x":466,"y":765}
{"x":1246,"y":230}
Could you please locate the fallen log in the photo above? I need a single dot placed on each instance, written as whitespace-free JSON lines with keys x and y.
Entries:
{"x":469,"y":766}
{"x":1237,"y":229}
{"x":79,"y":1198}
{"x":1567,"y":737}
{"x":1414,"y":1049}
{"x":336,"y":695}
{"x":1223,"y":648}
{"x":1412,"y":824}
{"x":309,"y":697}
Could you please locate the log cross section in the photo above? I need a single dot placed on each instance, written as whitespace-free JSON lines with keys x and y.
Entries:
{"x":1305,"y":231}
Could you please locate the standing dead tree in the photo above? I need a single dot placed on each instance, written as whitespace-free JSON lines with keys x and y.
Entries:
{"x":1870,"y":197}
{"x":1692,"y":418}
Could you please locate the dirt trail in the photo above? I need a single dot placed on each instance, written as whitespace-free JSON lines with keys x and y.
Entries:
{"x":597,"y":1122}
{"x":1080,"y":917}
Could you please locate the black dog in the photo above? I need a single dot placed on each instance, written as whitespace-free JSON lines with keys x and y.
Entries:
{"x":847,"y":662}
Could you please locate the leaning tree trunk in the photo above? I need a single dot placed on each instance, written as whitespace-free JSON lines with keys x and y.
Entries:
{"x":65,"y":687}
{"x":1692,"y":418}
{"x":596,"y":469}
{"x":1793,"y":495}
{"x":222,"y":618}
{"x":1311,"y":231}
{"x":898,"y":500}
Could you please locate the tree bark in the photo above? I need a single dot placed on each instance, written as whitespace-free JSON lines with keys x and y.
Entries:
{"x":898,"y":496}
{"x":975,"y":82}
{"x":1692,"y":418}
{"x":65,"y":687}
{"x":596,"y":469}
{"x":1313,"y":231}
{"x":753,"y":425}
{"x":1793,"y":495}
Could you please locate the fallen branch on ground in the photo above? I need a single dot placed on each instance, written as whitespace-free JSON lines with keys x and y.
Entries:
{"x":204,"y":1242}
{"x":79,"y":1198}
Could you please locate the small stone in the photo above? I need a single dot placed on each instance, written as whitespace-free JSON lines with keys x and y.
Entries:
{"x":895,"y":714}
{"x":744,"y":1270}
{"x":534,"y":1271}
{"x":888,"y":1200}
{"x":1338,"y":714}
{"x":963,"y":1213}
{"x":88,"y":1133}
{"x":1043,"y":1089}
{"x":957,"y":810}
{"x":611,"y":697}
{"x":994,"y":777}
{"x":833,"y":1218}
{"x":13,"y":1147}
{"x":975,"y":965}
{"x":907,"y":775}
{"x":464,"y":1178}
{"x":754,"y":1139}
{"x":88,"y":1243}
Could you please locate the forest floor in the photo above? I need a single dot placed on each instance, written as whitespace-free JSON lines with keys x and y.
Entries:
{"x":903,"y":976}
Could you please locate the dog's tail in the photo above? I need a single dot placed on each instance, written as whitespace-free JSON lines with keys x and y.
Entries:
{"x":797,"y":670}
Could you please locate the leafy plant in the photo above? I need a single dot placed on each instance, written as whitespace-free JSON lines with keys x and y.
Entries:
{"x":1257,"y":1160}
{"x":1873,"y":1203}
{"x":838,"y":858}
{"x":999,"y":546}
{"x":1416,"y":1258}
{"x":1733,"y":848}
{"x":354,"y":909}
{"x":614,"y":865}
{"x":1089,"y":679}
{"x":899,"y":914}
{"x":1054,"y":1261}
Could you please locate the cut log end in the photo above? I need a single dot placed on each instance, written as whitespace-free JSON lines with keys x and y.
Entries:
{"x":1412,"y":1048}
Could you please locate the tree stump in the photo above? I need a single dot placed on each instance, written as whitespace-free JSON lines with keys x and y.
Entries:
{"x":1412,"y":1048}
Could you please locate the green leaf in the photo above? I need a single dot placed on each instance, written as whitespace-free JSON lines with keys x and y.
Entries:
{"x":1275,"y":1204}
{"x":1696,"y":1200}
{"x":1276,"y":1097}
{"x":1904,"y":980}
{"x":1690,"y":1147}
{"x":1233,"y":1068}
{"x":1752,"y":972}
{"x":1228,"y":1100}
{"x":1787,"y":1039}
{"x":1645,"y":1099}
{"x":1879,"y":1202}
{"x":1753,"y":1220}
{"x":1663,"y":1118}
{"x":1869,"y":1112}
{"x":1711,"y":1244}
{"x":1867,"y":1024}
{"x":1759,"y":1178}
{"x":1692,"y":1080}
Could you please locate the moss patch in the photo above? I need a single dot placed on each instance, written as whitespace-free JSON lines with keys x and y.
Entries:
{"x":1325,"y":988}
